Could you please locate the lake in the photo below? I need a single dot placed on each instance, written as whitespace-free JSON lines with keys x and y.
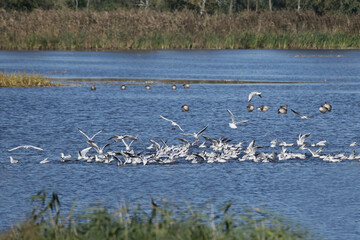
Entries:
{"x":320,"y":195}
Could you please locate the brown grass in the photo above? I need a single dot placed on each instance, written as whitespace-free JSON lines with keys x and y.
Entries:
{"x":146,"y":29}
{"x":24,"y":80}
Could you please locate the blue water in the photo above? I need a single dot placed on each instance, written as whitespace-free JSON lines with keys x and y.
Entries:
{"x":247,"y":65}
{"x":321,"y":196}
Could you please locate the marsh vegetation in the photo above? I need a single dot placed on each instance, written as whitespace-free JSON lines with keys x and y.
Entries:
{"x":162,"y":220}
{"x":185,"y":29}
{"x":24,"y":79}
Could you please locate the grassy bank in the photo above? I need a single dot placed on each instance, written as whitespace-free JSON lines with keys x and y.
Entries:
{"x":24,"y":80}
{"x":162,"y":221}
{"x":147,"y":29}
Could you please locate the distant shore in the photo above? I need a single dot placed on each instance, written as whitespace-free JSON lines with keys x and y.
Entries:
{"x":135,"y":29}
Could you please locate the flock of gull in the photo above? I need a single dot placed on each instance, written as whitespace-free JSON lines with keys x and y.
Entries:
{"x":201,"y":148}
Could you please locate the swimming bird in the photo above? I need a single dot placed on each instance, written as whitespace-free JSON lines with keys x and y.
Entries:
{"x":186,"y":85}
{"x":233,"y":122}
{"x":174,"y":124}
{"x":250,"y":107}
{"x":26,"y":147}
{"x":327,"y":106}
{"x":45,"y":161}
{"x":196,"y":135}
{"x":273,"y":143}
{"x":173,"y":87}
{"x":123,"y":87}
{"x":252,"y":94}
{"x":323,"y":109}
{"x":185,"y":108}
{"x":65,"y":157}
{"x":282,"y":109}
{"x":301,"y":116}
{"x":147,"y":87}
{"x":93,"y":87}
{"x":90,"y":139}
{"x":263,"y":108}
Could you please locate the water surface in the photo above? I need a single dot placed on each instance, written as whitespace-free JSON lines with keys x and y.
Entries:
{"x":320,"y":195}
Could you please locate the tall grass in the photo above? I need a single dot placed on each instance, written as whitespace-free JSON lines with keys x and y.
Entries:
{"x":163,"y":220}
{"x":147,"y":29}
{"x":24,"y":80}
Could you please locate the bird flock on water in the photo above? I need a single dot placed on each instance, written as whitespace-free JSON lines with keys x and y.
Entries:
{"x":200,"y":148}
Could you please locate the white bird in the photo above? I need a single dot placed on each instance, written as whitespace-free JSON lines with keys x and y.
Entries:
{"x":65,"y":157}
{"x":273,"y":143}
{"x":315,"y":153}
{"x":252,"y":94}
{"x":234,"y":122}
{"x":122,"y":138}
{"x":301,"y":116}
{"x":196,"y":135}
{"x":174,"y":124}
{"x":327,"y":106}
{"x":82,"y":154}
{"x":44,"y":161}
{"x":26,"y":147}
{"x":90,"y":139}
{"x":96,"y":147}
{"x":354,"y":144}
{"x":321,"y":143}
{"x":302,"y":137}
{"x":12,"y":161}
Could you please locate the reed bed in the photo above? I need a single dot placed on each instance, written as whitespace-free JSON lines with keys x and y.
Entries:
{"x":162,"y":220}
{"x":186,"y":29}
{"x":24,"y":80}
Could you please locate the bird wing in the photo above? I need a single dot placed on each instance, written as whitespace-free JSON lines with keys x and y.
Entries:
{"x":297,"y":113}
{"x":202,"y":130}
{"x":131,"y":137}
{"x":250,"y":96}
{"x":179,"y":127}
{"x":241,"y":122}
{"x":157,"y":145}
{"x":184,"y":140}
{"x":97,"y":133}
{"x":84,"y":134}
{"x":105,"y":146}
{"x":85,"y":151}
{"x":213,"y":141}
{"x":115,"y":136}
{"x":15,"y":148}
{"x":37,"y":148}
{"x":166,"y":119}
{"x":231,"y":115}
{"x":45,"y":160}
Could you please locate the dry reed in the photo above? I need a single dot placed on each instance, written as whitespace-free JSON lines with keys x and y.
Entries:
{"x":146,"y":29}
{"x":24,"y":80}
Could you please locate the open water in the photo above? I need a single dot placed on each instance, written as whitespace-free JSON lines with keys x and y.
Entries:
{"x":322,"y":196}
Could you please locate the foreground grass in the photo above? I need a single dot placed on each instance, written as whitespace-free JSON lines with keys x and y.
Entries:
{"x":24,"y":80}
{"x":162,"y":221}
{"x":148,"y":29}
